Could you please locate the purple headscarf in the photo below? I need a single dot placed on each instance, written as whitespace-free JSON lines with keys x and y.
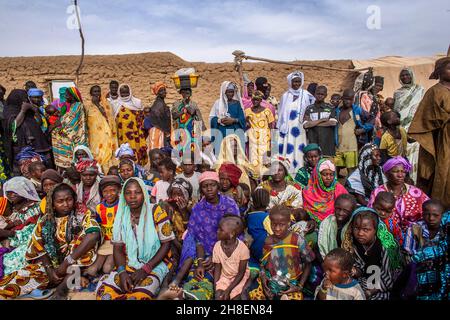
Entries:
{"x":395,"y":162}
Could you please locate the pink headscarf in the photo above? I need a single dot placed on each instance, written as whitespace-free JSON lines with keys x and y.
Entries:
{"x":246,"y":99}
{"x":209,"y":175}
{"x":327,"y":164}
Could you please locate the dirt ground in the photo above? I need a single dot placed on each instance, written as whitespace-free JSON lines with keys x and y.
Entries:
{"x":140,"y":71}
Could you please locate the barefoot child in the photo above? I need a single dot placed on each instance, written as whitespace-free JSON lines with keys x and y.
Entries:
{"x":109,"y":188}
{"x":230,"y":258}
{"x":286,"y":261}
{"x":384,"y":205}
{"x":338,"y":283}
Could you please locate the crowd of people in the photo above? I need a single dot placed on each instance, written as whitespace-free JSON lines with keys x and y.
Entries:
{"x":345,"y":199}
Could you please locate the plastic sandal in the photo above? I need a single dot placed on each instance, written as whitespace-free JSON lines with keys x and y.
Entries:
{"x":38,"y":294}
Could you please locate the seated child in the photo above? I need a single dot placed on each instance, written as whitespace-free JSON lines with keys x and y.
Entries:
{"x":109,"y":190}
{"x":384,"y":205}
{"x":255,"y":226}
{"x":243,"y":198}
{"x":72,"y":177}
{"x":155,"y":156}
{"x":394,"y":140}
{"x":333,"y":228}
{"x":36,"y":169}
{"x":378,"y":260}
{"x":230,"y":258}
{"x":286,"y":261}
{"x":229,"y":175}
{"x":427,"y":232}
{"x":113,"y":171}
{"x":430,"y":247}
{"x":189,"y":174}
{"x":338,"y":283}
{"x":167,"y":171}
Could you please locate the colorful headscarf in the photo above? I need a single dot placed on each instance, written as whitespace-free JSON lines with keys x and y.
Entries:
{"x":28,"y":153}
{"x":124,"y":150}
{"x":312,"y":147}
{"x":285,"y":162}
{"x":318,"y":200}
{"x":62,"y":94}
{"x":209,"y":175}
{"x":183,"y":185}
{"x":258,"y":95}
{"x":141,"y":246}
{"x":158,"y":86}
{"x":27,"y":156}
{"x":87,"y":166}
{"x":386,"y":238}
{"x":233,"y":172}
{"x":391,"y":163}
{"x":21,"y":186}
{"x":75,"y":93}
{"x":327,"y":165}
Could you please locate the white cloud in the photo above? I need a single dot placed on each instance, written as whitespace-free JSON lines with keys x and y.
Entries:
{"x":210,"y":30}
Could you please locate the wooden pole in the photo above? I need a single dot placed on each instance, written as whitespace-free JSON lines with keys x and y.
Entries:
{"x":240,"y":56}
{"x":80,"y":66}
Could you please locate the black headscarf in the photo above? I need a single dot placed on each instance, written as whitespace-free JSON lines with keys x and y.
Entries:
{"x":28,"y":134}
{"x":259,"y":83}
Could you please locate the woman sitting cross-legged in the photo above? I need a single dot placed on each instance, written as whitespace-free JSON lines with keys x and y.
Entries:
{"x":65,"y":236}
{"x":141,"y":243}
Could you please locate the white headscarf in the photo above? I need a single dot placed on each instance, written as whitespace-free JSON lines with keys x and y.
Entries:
{"x":220,"y":108}
{"x":129,"y":102}
{"x":23,"y":187}
{"x":408,"y":98}
{"x":305,"y":99}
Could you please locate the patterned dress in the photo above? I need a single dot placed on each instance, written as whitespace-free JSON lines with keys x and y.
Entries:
{"x":129,"y":130}
{"x":285,"y":259}
{"x":148,"y":289}
{"x":259,"y":136}
{"x":70,"y":134}
{"x":15,"y":259}
{"x":290,"y":197}
{"x":102,"y":134}
{"x":33,"y":275}
{"x":408,"y":206}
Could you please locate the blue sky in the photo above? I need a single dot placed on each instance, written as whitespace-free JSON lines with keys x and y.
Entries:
{"x":199,"y":30}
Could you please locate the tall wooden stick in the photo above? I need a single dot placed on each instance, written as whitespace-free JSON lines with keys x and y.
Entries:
{"x":240,"y":56}
{"x":80,"y":66}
